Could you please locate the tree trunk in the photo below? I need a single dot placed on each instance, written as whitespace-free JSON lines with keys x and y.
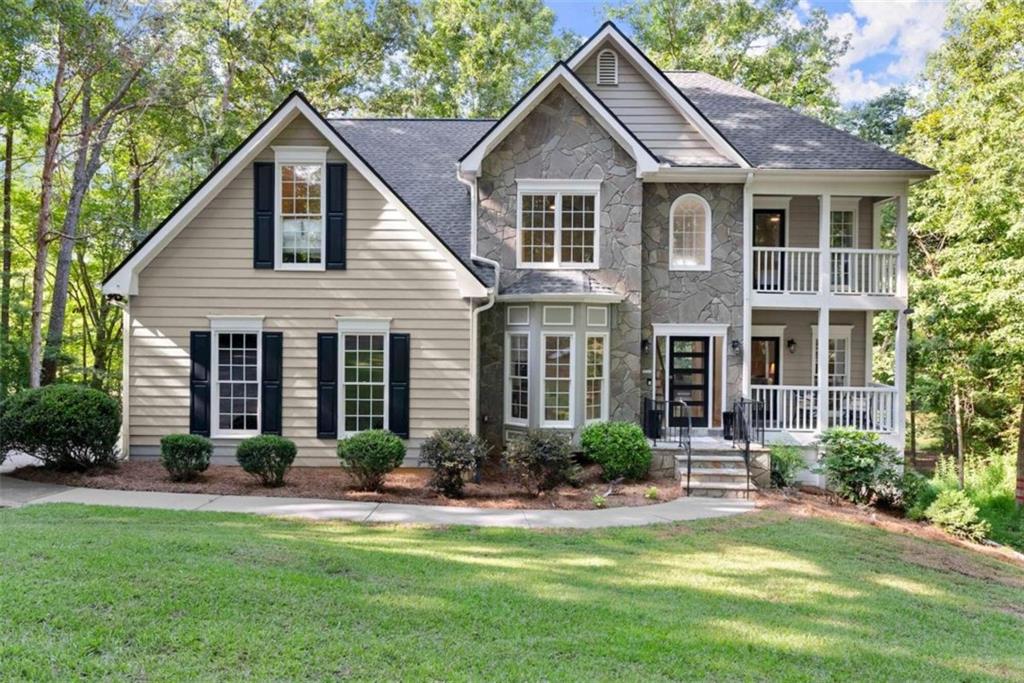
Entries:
{"x":958,"y":419}
{"x":1020,"y":449}
{"x":5,"y":285}
{"x":42,"y":236}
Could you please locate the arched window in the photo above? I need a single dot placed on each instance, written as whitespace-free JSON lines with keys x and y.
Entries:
{"x":607,"y":68}
{"x":690,"y":234}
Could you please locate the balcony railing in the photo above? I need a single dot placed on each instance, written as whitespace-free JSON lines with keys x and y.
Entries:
{"x":795,"y":408}
{"x":783,"y":270}
{"x":863,"y":271}
{"x":793,"y":270}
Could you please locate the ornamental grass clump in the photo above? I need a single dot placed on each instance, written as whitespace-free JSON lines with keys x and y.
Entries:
{"x":452,"y":454}
{"x":369,"y":456}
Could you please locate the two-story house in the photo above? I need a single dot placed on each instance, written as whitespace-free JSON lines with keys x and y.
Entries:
{"x":624,"y":242}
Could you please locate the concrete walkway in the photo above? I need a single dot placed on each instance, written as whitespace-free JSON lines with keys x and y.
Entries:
{"x":16,"y":492}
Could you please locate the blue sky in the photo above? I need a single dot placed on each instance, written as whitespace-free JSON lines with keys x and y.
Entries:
{"x":889,"y":39}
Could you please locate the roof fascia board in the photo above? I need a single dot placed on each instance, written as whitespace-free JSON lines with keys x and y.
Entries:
{"x":661,"y":83}
{"x":839,"y":184}
{"x":560,"y":74}
{"x":124,"y":280}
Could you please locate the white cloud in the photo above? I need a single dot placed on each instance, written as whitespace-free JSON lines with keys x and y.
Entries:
{"x":904,"y":32}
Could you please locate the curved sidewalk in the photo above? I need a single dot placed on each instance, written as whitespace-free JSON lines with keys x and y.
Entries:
{"x":17,"y":492}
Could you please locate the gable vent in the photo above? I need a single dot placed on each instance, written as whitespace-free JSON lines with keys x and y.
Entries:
{"x":607,"y":68}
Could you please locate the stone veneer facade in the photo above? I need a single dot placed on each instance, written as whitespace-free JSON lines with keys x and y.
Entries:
{"x":711,"y":296}
{"x":560,"y":140}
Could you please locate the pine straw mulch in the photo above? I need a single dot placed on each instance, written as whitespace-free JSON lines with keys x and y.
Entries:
{"x":401,"y":486}
{"x":813,"y":502}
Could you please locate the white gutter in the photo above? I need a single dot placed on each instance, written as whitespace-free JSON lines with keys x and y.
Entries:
{"x":474,"y":329}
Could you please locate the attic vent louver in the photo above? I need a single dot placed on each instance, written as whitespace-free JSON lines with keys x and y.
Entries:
{"x":607,"y":68}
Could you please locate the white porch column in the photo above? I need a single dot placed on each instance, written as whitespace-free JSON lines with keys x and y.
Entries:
{"x":902,"y":247}
{"x":748,"y":281}
{"x":824,"y":286}
{"x":900,"y":376}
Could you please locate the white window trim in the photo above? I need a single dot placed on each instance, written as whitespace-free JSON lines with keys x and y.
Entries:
{"x":228,"y":324}
{"x":305,"y":156}
{"x":572,"y":316}
{"x":603,"y":310}
{"x":851,"y":204}
{"x":530,"y":186}
{"x":777,"y":203}
{"x":571,"y":422}
{"x":835,"y":332}
{"x":508,"y":316}
{"x":362,"y":326}
{"x":707,"y":233}
{"x":604,"y":377}
{"x":615,"y":69}
{"x":519,"y":422}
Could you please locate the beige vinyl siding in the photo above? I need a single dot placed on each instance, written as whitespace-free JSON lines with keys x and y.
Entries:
{"x":653,"y":119}
{"x":803,"y":222}
{"x":393,"y":272}
{"x":798,"y":368}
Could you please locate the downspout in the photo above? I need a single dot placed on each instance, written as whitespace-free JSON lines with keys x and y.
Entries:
{"x":126,"y":334}
{"x":474,"y":329}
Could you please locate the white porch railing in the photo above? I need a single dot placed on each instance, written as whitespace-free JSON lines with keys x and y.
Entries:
{"x":795,"y":408}
{"x":785,"y":270}
{"x":863,"y":271}
{"x":871,"y":409}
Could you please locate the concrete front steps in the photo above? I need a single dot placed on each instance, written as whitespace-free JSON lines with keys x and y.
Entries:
{"x":717,"y":471}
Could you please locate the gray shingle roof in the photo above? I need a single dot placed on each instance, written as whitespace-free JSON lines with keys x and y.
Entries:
{"x":769,"y":135}
{"x":556,"y":282}
{"x":417,"y":158}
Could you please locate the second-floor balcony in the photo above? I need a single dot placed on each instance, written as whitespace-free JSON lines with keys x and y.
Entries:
{"x":796,"y":270}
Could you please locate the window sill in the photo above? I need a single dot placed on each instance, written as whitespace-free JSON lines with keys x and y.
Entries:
{"x":234,"y":436}
{"x":296,"y":267}
{"x":689,"y":269}
{"x":556,"y":266}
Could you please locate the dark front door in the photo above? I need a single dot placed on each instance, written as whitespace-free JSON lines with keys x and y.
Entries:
{"x":764,"y":360}
{"x":688,"y":378}
{"x":770,"y":231}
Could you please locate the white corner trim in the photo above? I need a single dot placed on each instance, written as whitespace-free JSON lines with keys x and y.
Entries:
{"x":560,"y":75}
{"x":284,"y":154}
{"x":662,"y":84}
{"x":236,"y":323}
{"x":125,"y":281}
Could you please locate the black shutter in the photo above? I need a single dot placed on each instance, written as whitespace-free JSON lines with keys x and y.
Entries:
{"x":336,"y":201}
{"x":263,"y":215}
{"x":270,"y":395}
{"x":327,"y":386}
{"x":199,"y":384}
{"x":398,"y":385}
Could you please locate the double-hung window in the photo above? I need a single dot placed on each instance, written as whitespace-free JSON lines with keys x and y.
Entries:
{"x":558,"y":223}
{"x":364,"y":374}
{"x":300,"y":227}
{"x":236,"y":372}
{"x":838,"y":354}
{"x":597,"y":377}
{"x":557,"y":361}
{"x":518,"y":370}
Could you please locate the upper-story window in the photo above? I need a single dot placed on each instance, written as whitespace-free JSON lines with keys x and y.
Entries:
{"x":843,"y":224}
{"x":607,"y":68}
{"x":299,"y":235}
{"x":690,"y":233}
{"x":558,"y":223}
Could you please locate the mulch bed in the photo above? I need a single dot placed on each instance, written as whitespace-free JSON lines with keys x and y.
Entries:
{"x":813,"y":502}
{"x":401,"y":486}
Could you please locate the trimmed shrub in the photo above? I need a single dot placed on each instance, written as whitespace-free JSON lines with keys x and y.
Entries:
{"x":787,"y":461}
{"x":620,"y":448}
{"x":906,"y":491}
{"x":854,"y":462}
{"x":67,"y":426}
{"x":540,"y":460}
{"x":266,"y":457}
{"x":452,"y":454}
{"x":369,"y":456}
{"x":185,"y":456}
{"x":954,"y":512}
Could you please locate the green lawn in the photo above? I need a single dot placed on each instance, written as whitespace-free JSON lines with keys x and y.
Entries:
{"x":152,"y":595}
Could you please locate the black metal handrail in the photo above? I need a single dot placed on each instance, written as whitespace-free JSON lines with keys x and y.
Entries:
{"x":748,"y":427}
{"x":670,"y":422}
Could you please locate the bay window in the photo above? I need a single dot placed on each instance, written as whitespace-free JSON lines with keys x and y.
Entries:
{"x":597,"y":372}
{"x":557,"y":362}
{"x":518,"y":370}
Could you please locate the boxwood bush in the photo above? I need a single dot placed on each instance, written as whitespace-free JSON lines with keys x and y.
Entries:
{"x":452,"y":454}
{"x":67,"y":426}
{"x":369,"y":456}
{"x":266,"y":457}
{"x":185,"y":456}
{"x":620,"y":448}
{"x":541,"y":460}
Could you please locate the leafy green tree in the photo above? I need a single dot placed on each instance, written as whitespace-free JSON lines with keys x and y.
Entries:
{"x":885,"y":120}
{"x":754,"y":43}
